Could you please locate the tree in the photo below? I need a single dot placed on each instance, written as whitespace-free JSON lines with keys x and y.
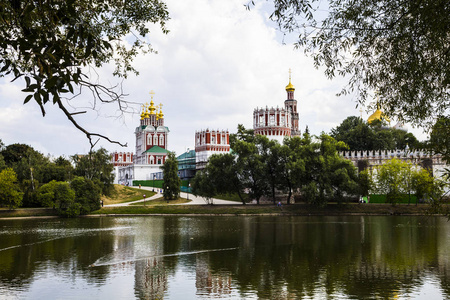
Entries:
{"x":252,"y":168}
{"x":87,"y":194}
{"x":221,"y":176}
{"x":10,"y":194}
{"x":335,"y":176}
{"x":46,"y":194}
{"x":96,"y":166}
{"x":52,"y":45}
{"x":291,"y":172}
{"x":399,"y":49}
{"x":270,"y":154}
{"x":439,"y":142}
{"x":171,"y":181}
{"x":392,"y":179}
{"x":365,"y":182}
{"x":359,"y":135}
{"x":65,"y":200}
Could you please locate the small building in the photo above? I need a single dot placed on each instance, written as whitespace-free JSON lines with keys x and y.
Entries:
{"x":186,"y":165}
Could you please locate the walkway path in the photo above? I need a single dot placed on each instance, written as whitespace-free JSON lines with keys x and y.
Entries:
{"x":194,"y":199}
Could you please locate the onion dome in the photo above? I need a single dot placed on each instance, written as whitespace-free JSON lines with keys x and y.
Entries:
{"x":143,"y":112}
{"x":290,"y":87}
{"x":378,"y":115}
{"x":160,"y":114}
{"x":152,"y":108}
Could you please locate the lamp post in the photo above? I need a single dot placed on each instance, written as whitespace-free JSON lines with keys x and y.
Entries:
{"x":167,"y":190}
{"x":189,"y":187}
{"x":153,"y":182}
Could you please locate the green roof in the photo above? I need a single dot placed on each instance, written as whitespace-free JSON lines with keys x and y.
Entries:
{"x":187,"y":155}
{"x":156,"y":149}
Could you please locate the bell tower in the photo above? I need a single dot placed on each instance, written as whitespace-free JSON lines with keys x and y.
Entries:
{"x":291,"y":105}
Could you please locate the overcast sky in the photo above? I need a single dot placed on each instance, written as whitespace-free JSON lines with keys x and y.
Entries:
{"x":218,"y":63}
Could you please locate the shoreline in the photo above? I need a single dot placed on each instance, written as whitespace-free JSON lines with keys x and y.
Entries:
{"x":353,"y":209}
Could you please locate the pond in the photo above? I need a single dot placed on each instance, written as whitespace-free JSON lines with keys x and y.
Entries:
{"x":251,"y":257}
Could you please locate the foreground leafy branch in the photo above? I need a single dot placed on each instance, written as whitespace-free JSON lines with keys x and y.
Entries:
{"x":50,"y":45}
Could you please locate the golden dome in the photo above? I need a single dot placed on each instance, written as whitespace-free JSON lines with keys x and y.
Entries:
{"x":143,"y":112}
{"x":152,"y":108}
{"x":378,"y":115}
{"x":290,"y":87}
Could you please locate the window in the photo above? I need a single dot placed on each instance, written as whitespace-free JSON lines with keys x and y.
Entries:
{"x":272,"y":120}
{"x":155,"y":139}
{"x":161,"y":140}
{"x":149,"y":140}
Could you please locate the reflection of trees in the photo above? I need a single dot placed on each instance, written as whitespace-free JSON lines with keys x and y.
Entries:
{"x":47,"y":243}
{"x":358,"y":256}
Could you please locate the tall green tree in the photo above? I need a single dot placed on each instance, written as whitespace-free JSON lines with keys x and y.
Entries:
{"x":335,"y":176}
{"x":51,"y":44}
{"x":292,"y":166}
{"x":253,"y":172}
{"x":398,"y":48}
{"x":96,"y":166}
{"x":10,"y":194}
{"x":270,"y":151}
{"x":171,"y":181}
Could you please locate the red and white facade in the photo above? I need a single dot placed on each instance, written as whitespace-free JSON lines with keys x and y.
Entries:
{"x":120,"y":159}
{"x":151,"y":146}
{"x":209,"y":142}
{"x":278,"y":123}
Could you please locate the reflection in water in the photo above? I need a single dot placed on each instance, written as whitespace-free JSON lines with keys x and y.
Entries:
{"x":226,"y":257}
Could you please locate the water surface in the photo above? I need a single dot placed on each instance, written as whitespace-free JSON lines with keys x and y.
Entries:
{"x":258,"y":257}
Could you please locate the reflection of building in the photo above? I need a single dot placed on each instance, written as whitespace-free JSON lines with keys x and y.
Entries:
{"x":278,"y":123}
{"x":209,"y":142}
{"x":208,"y":283}
{"x":150,"y":270}
{"x":151,"y":146}
{"x":150,"y":278}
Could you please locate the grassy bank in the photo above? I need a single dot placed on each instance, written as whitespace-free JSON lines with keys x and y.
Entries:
{"x":27,"y":212}
{"x":124,"y":194}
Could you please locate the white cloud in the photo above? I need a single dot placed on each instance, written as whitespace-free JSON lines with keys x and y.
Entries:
{"x":218,"y":63}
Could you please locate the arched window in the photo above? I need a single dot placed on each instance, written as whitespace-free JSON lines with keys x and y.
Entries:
{"x":155,"y":139}
{"x":161,"y":139}
{"x":149,"y":140}
{"x":151,"y":160}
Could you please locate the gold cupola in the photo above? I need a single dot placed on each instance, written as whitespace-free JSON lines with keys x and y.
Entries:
{"x":152,"y":107}
{"x":143,"y":112}
{"x":378,"y":115}
{"x":290,"y":87}
{"x":160,"y":114}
